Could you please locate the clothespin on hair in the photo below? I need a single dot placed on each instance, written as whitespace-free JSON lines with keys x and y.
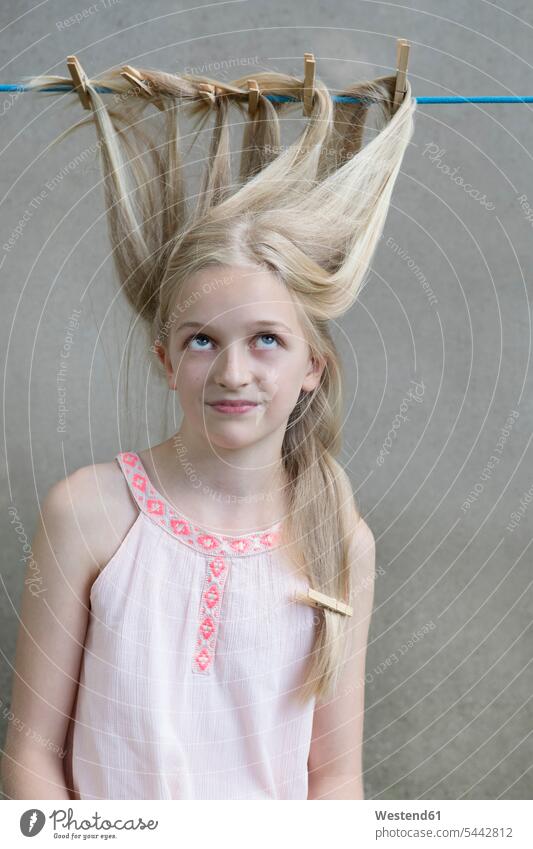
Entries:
{"x":402,"y":58}
{"x":309,"y":83}
{"x":253,"y":96}
{"x":207,"y":90}
{"x":79,"y":80}
{"x":133,"y":76}
{"x":317,"y":599}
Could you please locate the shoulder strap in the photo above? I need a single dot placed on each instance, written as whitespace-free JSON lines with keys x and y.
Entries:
{"x":132,"y":470}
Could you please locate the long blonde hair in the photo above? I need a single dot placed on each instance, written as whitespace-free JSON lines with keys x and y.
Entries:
{"x":310,"y":212}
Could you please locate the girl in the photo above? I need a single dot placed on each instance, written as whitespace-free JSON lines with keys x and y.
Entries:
{"x":202,"y":626}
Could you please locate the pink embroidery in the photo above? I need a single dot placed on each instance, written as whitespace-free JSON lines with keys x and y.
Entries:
{"x":152,"y":503}
{"x":179,"y":526}
{"x":212,"y":546}
{"x":212,"y":593}
{"x":207,"y":627}
{"x":129,"y":458}
{"x":240,"y":545}
{"x":216,"y":565}
{"x":269,"y":539}
{"x":208,"y":541}
{"x":203,"y":660}
{"x":140,"y":482}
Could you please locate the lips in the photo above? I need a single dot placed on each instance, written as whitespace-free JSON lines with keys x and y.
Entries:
{"x":226,"y":402}
{"x":233,"y":407}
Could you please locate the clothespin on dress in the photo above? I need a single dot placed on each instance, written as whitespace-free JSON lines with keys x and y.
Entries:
{"x":317,"y":599}
{"x":79,"y":78}
{"x":253,"y":96}
{"x":402,"y":58}
{"x":309,"y":83}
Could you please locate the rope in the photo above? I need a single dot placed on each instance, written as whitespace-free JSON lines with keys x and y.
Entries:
{"x":278,"y":98}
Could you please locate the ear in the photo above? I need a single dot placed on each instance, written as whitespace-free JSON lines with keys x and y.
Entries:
{"x":314,"y":373}
{"x":164,"y":358}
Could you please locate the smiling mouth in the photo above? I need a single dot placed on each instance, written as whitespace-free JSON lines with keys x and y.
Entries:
{"x":233,"y":407}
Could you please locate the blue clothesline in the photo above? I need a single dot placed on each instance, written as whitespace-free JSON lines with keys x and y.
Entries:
{"x":278,"y":98}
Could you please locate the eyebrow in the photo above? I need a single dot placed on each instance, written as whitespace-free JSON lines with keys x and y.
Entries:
{"x":255,"y":324}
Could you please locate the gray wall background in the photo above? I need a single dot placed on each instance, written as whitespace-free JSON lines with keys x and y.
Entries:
{"x":446,"y":305}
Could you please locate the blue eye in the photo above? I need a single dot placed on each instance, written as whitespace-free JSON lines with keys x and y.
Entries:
{"x":200,"y":336}
{"x":269,"y":336}
{"x":196,"y":337}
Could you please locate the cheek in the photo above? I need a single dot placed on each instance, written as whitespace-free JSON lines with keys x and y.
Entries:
{"x":269,"y":384}
{"x":192,"y":377}
{"x":280,"y":383}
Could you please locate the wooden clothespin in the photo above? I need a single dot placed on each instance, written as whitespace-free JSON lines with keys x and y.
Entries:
{"x":133,"y":76}
{"x":79,"y":80}
{"x":208,"y":90}
{"x":317,"y":599}
{"x":253,"y":96}
{"x":309,"y":83}
{"x":402,"y":58}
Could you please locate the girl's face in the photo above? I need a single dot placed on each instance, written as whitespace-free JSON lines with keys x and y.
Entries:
{"x":235,"y":336}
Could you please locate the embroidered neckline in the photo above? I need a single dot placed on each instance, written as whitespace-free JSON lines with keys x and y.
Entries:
{"x":162,"y":513}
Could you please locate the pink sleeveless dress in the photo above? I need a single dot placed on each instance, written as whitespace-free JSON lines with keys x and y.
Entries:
{"x":195,"y":649}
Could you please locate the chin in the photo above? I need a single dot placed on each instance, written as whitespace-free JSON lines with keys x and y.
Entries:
{"x":229,"y":438}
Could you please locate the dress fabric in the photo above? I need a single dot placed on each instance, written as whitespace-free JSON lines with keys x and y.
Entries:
{"x":195,"y":648}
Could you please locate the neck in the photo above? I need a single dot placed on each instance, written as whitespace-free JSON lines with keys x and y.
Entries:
{"x":250,"y":477}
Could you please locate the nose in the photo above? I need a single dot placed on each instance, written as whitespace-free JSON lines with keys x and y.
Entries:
{"x":232,"y":367}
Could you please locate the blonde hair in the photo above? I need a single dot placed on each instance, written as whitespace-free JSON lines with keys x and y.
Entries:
{"x":310,"y":212}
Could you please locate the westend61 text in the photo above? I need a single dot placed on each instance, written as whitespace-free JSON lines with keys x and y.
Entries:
{"x":407,"y":815}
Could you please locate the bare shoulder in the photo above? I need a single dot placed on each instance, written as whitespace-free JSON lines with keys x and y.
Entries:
{"x":92,"y":509}
{"x":362,"y":554}
{"x":359,"y":537}
{"x":363,"y":542}
{"x":82,"y":521}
